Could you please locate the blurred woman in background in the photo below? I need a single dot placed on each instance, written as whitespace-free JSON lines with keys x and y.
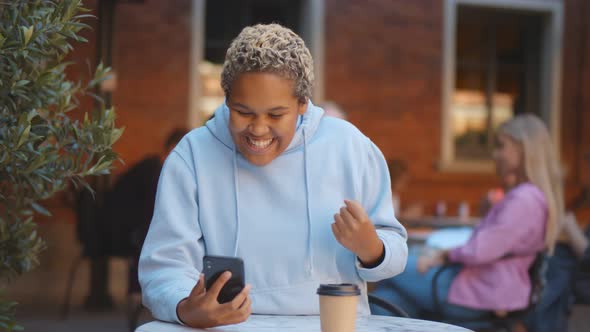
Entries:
{"x":493,"y":275}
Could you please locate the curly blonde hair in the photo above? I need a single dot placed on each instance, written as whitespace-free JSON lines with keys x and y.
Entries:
{"x":269,"y":48}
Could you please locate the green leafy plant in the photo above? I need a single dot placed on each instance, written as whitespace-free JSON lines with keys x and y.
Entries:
{"x":46,"y":142}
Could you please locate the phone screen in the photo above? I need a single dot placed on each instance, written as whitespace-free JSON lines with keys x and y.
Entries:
{"x":214,"y":266}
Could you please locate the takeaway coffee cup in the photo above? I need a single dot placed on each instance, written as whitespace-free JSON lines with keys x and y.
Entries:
{"x":338,"y":303}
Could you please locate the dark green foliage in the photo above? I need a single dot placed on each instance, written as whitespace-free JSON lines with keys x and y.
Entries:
{"x":43,"y":147}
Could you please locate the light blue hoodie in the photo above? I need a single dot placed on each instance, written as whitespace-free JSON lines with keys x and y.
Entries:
{"x":276,"y":217}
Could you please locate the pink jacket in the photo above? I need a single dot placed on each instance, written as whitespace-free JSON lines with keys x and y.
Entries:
{"x":515,"y":226}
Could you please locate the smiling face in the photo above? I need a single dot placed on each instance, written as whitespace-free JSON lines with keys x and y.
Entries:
{"x":263,"y":115}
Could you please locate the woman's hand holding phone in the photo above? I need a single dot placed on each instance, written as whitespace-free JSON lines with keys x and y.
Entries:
{"x":201,"y":309}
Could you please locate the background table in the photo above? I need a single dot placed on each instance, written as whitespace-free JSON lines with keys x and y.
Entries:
{"x":421,"y":229}
{"x":311,"y":324}
{"x":439,"y":222}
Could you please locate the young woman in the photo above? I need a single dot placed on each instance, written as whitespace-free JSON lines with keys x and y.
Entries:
{"x":496,"y":258}
{"x":304,"y":199}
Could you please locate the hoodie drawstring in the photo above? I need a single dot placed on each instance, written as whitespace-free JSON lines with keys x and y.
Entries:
{"x":236,"y":199}
{"x":309,"y":266}
{"x":309,"y":263}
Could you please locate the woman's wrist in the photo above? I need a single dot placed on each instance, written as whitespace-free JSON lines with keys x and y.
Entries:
{"x":374,"y":258}
{"x":179,"y":308}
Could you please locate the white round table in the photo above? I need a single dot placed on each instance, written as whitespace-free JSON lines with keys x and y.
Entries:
{"x":263,"y":323}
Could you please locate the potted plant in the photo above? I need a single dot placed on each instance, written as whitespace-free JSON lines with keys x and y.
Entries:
{"x":46,"y":141}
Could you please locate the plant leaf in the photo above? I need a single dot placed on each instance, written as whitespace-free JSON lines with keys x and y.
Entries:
{"x":24,"y":136}
{"x":116,"y":134}
{"x":40,"y":209}
{"x":27,"y":33}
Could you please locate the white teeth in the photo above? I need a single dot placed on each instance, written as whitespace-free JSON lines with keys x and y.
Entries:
{"x":260,"y":144}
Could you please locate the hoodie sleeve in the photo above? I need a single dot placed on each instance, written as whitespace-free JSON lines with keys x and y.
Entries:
{"x":173,"y":249}
{"x":377,"y":200}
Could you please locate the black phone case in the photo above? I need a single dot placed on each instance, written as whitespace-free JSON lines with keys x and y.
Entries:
{"x":214,"y":266}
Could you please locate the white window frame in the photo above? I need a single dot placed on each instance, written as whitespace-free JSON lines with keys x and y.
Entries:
{"x":312,"y":32}
{"x":550,"y":73}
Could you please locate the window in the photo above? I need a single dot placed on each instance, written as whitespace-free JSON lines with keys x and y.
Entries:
{"x":500,"y":61}
{"x":217,"y":22}
{"x":224,"y":19}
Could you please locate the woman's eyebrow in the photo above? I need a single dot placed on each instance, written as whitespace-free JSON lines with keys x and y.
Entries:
{"x":278,"y":108}
{"x":242,"y":106}
{"x":273,"y":109}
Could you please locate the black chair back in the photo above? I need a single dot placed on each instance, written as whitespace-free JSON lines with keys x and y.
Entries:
{"x":392,"y":308}
{"x":538,"y":277}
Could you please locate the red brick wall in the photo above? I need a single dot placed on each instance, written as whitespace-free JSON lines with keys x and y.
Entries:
{"x":384,"y":66}
{"x":576,"y":96}
{"x":151,"y":52}
{"x":151,"y":57}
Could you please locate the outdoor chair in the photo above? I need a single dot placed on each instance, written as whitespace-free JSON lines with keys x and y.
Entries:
{"x":502,"y":322}
{"x":393,"y":309}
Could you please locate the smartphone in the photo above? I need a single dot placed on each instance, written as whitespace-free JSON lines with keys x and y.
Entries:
{"x":214,"y":266}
